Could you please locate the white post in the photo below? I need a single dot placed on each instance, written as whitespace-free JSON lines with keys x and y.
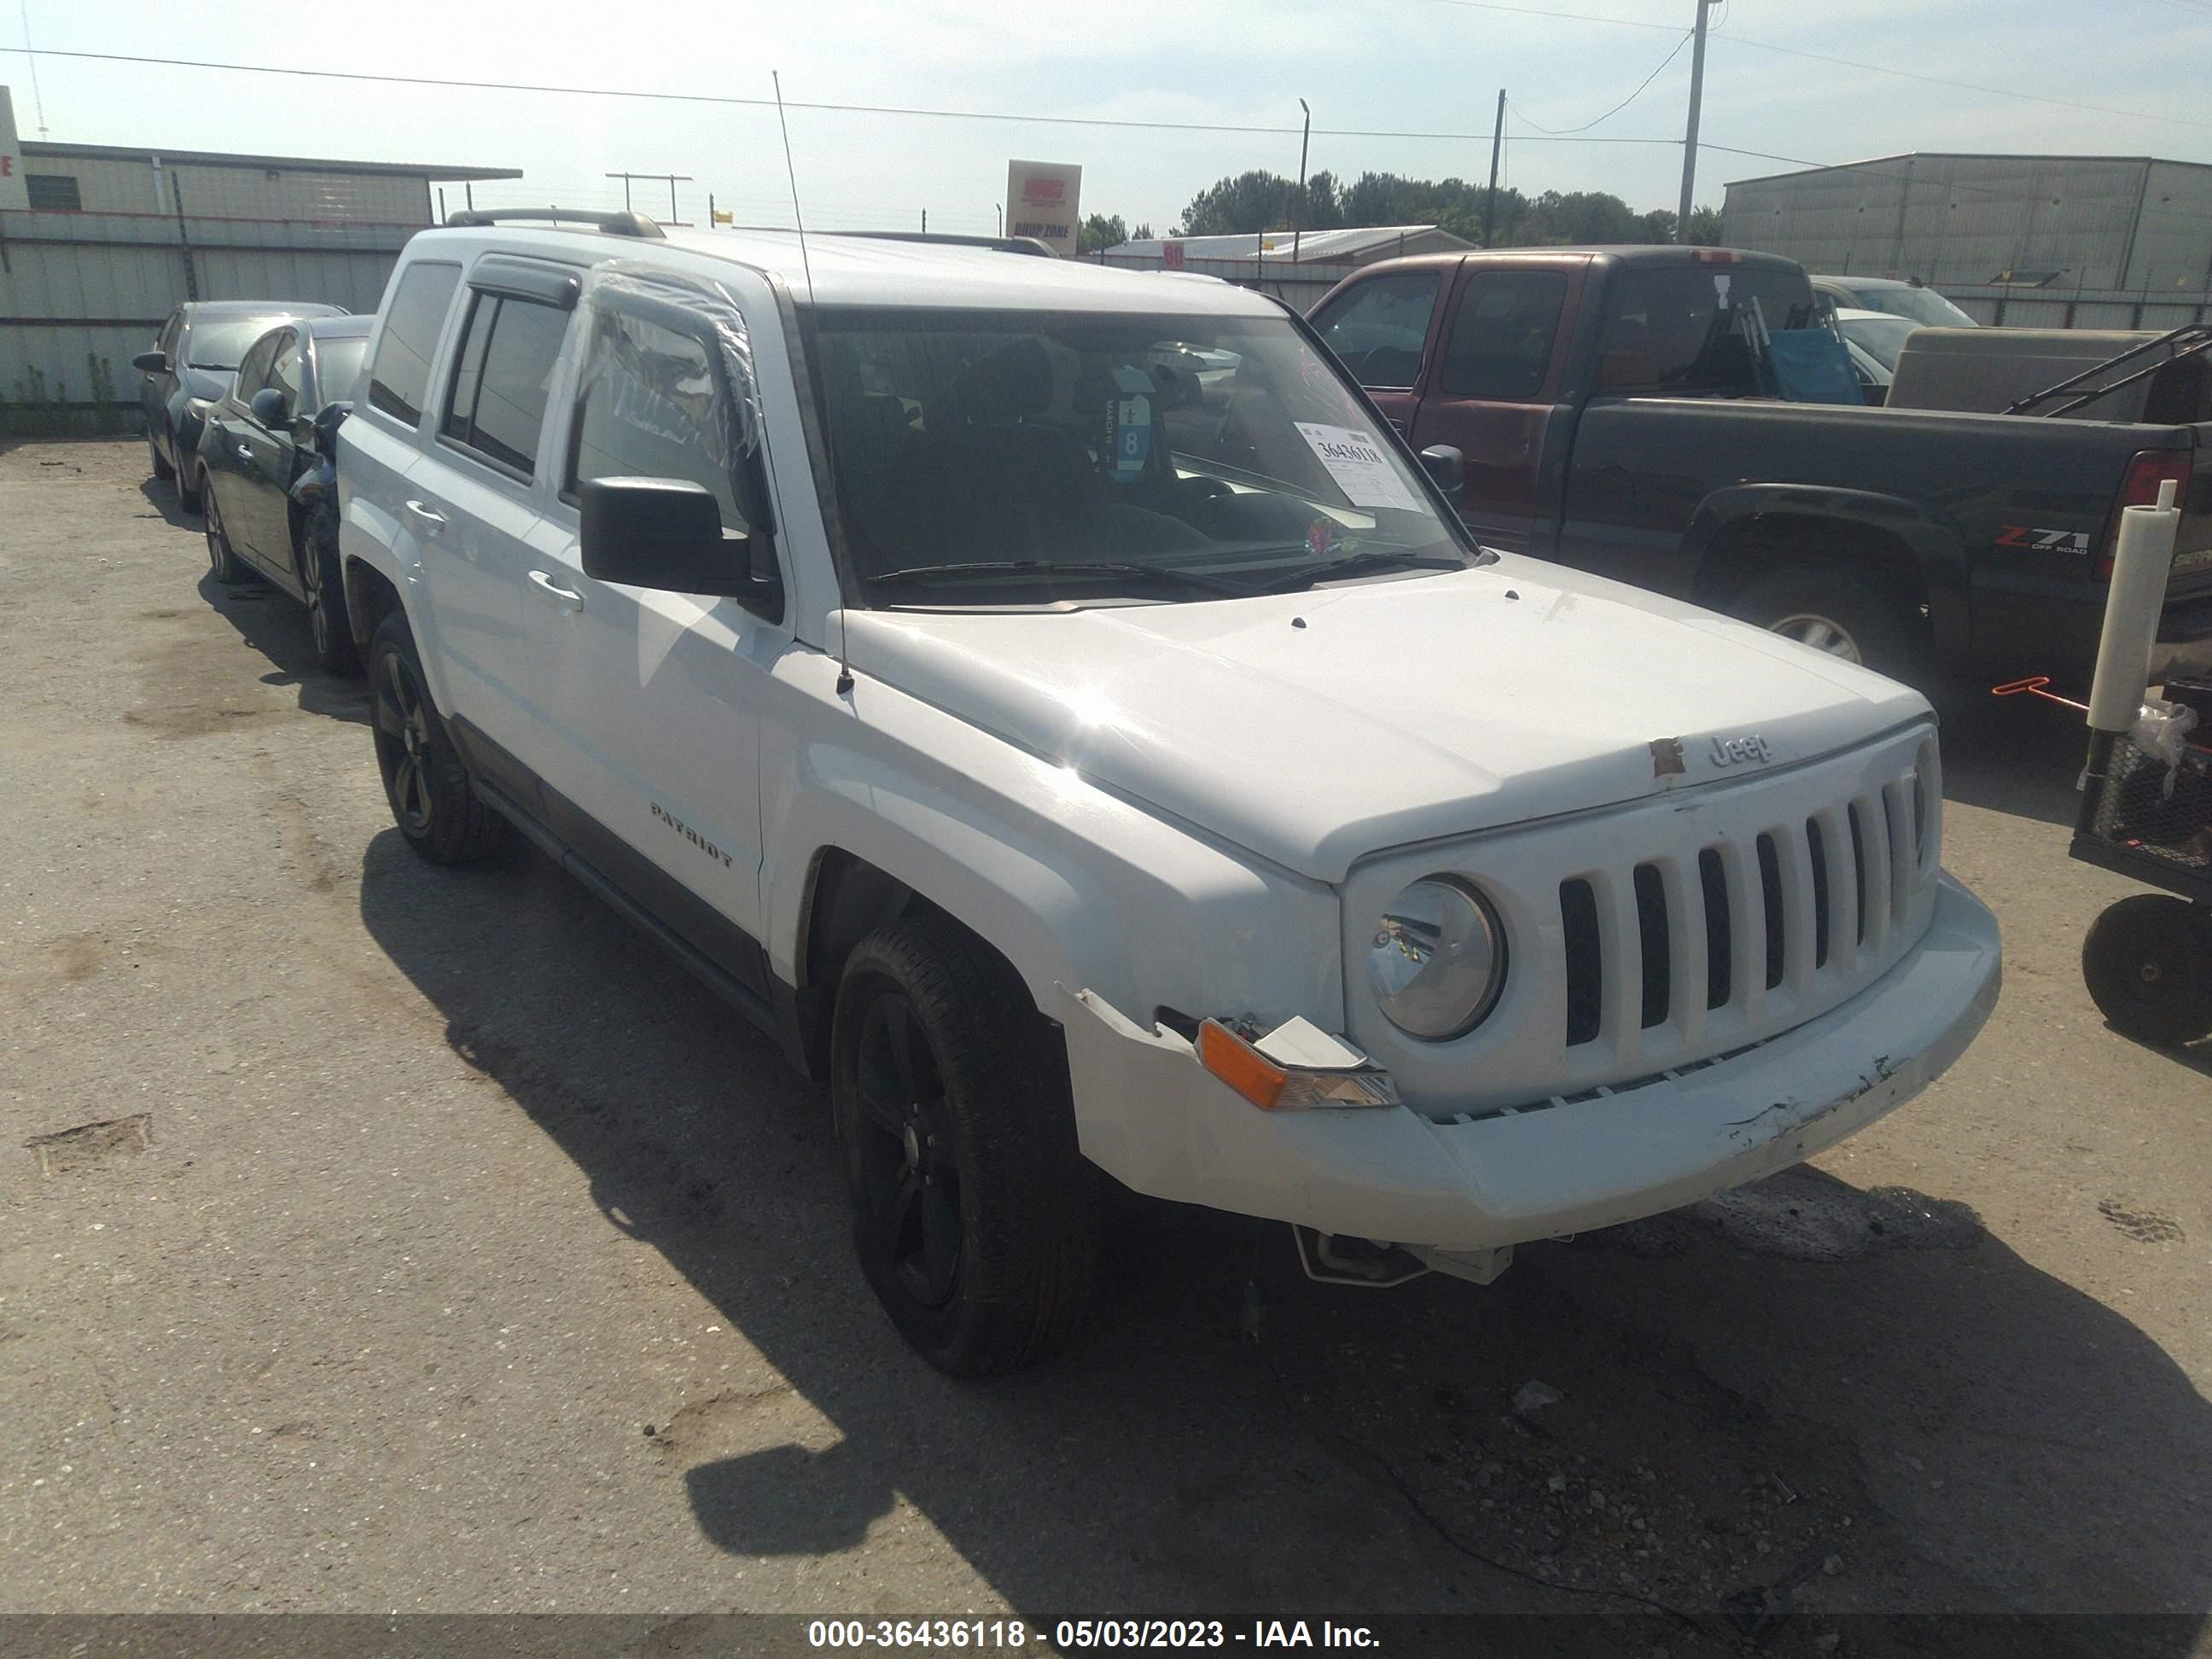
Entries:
{"x":2142,"y":557}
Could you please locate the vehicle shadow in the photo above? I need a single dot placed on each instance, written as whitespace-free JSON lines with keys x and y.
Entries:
{"x":1233,"y":1439}
{"x":163,"y":499}
{"x":275,"y":624}
{"x":2016,"y":755}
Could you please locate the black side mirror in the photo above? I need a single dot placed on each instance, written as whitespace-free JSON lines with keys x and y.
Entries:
{"x":1447,"y":469}
{"x":667,"y":533}
{"x":270,"y":407}
{"x":326,"y":429}
{"x":151,"y":362}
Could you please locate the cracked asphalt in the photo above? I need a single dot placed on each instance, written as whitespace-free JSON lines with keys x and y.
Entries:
{"x":449,"y":1250}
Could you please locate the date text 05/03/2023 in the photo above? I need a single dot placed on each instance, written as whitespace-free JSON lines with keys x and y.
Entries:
{"x":1086,"y":1634}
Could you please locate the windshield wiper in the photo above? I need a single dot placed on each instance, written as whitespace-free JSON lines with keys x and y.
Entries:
{"x":1380,"y":558}
{"x":1154,"y":573}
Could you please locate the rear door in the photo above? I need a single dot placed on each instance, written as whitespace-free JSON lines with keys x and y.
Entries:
{"x":1492,"y":392}
{"x":1380,"y":328}
{"x":225,"y":451}
{"x":478,"y":496}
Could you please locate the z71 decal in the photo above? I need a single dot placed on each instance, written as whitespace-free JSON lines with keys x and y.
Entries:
{"x":2048,"y":541}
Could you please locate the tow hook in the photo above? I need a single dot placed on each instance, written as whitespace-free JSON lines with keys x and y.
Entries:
{"x":1334,"y":1259}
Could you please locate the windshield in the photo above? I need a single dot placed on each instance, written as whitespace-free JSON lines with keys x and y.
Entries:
{"x":1924,"y":305}
{"x":1686,"y":328}
{"x":223,"y":341}
{"x":1225,"y":448}
{"x":338,"y":364}
{"x":1881,"y":337}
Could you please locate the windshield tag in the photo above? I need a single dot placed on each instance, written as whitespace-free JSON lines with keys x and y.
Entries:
{"x":1356,"y":461}
{"x":1132,"y":425}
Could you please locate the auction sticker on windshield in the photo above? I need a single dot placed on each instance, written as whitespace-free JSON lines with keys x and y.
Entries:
{"x":1358,"y":465}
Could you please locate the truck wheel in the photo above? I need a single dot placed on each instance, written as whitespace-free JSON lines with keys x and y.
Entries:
{"x":432,"y":802}
{"x":2147,"y":961}
{"x":1840,"y":613}
{"x":223,"y":562}
{"x":324,"y":586}
{"x":973,"y":1212}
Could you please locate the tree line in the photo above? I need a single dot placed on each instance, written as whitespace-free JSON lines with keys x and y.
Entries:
{"x":1251,"y":202}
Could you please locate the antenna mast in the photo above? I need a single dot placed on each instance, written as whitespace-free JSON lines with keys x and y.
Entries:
{"x":799,"y":218}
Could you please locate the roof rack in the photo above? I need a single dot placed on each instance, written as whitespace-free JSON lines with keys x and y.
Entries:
{"x":614,"y":224}
{"x":950,"y":239}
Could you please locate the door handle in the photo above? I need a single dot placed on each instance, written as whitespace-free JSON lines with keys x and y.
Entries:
{"x":567,"y":597}
{"x":431,"y":522}
{"x":246,"y":452}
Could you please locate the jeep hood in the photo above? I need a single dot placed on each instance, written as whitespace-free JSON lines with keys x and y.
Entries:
{"x":1314,"y":729}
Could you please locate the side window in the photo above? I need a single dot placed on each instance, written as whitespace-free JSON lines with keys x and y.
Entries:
{"x":171,"y":331}
{"x":399,"y":383}
{"x":284,"y":372}
{"x":653,"y":406}
{"x":1377,"y":329}
{"x":502,"y":378}
{"x":1501,"y":340}
{"x":254,"y":368}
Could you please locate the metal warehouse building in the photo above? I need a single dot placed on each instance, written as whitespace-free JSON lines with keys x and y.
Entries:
{"x":1297,"y":267}
{"x":98,"y":243}
{"x":2043,"y":242}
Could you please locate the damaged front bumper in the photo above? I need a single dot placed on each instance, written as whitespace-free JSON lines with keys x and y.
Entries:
{"x":1154,"y":1118}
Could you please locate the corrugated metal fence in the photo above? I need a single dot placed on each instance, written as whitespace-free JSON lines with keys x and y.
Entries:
{"x":82,"y":294}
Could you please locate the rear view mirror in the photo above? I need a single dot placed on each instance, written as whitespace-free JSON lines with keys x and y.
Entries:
{"x":667,"y":533}
{"x":270,"y":407}
{"x":1447,"y":469}
{"x":151,"y":362}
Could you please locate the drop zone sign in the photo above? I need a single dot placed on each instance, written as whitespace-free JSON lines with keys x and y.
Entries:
{"x":1041,"y":202}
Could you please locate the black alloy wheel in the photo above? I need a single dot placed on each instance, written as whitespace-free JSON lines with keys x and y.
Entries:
{"x":223,"y":561}
{"x":909,"y":1183}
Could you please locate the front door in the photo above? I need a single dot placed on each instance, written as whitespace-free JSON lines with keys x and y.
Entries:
{"x":660,"y":695}
{"x":154,"y":388}
{"x":262,"y":519}
{"x":1492,"y":393}
{"x":1379,"y":329}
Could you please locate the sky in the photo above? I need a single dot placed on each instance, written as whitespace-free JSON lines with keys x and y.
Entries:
{"x":1366,"y":67}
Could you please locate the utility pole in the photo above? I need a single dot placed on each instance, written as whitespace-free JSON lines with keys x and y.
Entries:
{"x":1690,"y":138}
{"x":671,"y":179}
{"x":1497,"y":145}
{"x":1299,"y":225}
{"x":999,"y":208}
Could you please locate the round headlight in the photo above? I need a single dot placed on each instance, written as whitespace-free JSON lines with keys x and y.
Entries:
{"x":1438,"y":959}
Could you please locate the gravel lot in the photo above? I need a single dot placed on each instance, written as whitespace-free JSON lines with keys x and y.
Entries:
{"x":455,"y":1252}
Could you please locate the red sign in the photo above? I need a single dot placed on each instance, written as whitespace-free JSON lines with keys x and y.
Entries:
{"x":1172,"y":255}
{"x":1044,"y":189}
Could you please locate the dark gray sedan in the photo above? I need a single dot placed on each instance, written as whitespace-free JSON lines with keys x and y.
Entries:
{"x":266,"y":461}
{"x":197,"y":350}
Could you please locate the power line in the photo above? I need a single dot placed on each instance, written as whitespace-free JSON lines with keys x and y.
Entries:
{"x":728,"y":100}
{"x":1562,"y":132}
{"x":1844,"y":63}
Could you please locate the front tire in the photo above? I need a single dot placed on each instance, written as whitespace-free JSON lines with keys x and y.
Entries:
{"x":434,"y":803}
{"x":2147,"y":961}
{"x":974,"y":1214}
{"x":1841,"y":614}
{"x":163,"y":472}
{"x":323,"y":582}
{"x":192,"y":496}
{"x":223,"y":562}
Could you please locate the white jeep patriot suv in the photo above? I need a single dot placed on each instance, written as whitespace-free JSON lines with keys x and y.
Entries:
{"x":1055,"y":704}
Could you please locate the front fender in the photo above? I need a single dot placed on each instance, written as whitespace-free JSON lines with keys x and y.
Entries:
{"x":1935,"y":538}
{"x":1072,"y":885}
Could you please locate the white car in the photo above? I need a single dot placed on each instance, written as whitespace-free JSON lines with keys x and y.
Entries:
{"x":1080,"y":766}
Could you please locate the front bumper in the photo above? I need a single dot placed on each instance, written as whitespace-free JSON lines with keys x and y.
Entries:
{"x":1151,"y":1118}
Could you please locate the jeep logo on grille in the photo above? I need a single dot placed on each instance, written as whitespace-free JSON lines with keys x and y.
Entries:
{"x":1739,"y":751}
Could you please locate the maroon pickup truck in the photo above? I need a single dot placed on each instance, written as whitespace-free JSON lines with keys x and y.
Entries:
{"x":1604,"y":402}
